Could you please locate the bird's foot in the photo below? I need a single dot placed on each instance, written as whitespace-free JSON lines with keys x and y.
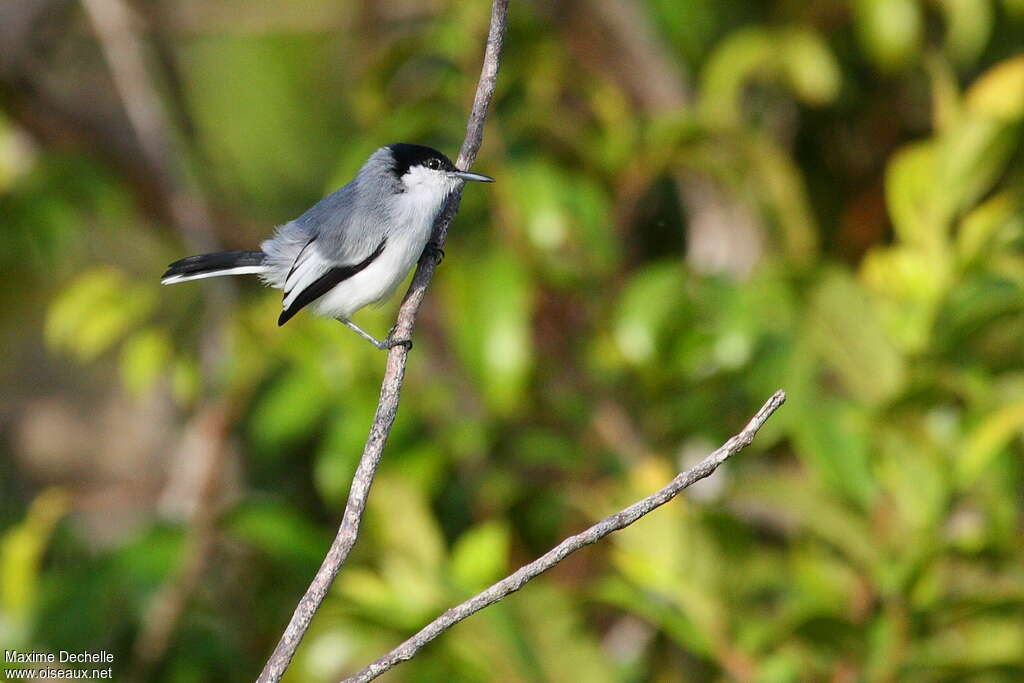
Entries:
{"x":391,"y":343}
{"x":435,"y":251}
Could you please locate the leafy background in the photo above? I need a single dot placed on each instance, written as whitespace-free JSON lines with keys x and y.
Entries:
{"x":697,"y":203}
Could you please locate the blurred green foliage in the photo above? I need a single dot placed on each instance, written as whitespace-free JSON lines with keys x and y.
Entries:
{"x":874,"y":530}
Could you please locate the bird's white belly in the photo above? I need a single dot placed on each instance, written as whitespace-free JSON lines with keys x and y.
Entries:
{"x":378,"y":280}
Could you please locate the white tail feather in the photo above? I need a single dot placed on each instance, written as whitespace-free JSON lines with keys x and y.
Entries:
{"x":240,"y":270}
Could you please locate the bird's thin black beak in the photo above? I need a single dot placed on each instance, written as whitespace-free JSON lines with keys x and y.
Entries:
{"x":466,"y":175}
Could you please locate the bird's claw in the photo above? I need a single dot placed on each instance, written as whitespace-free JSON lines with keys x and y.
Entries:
{"x":391,"y":343}
{"x":436,"y":252}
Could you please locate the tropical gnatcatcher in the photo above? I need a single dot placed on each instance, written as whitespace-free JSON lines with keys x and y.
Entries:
{"x":353,"y":247}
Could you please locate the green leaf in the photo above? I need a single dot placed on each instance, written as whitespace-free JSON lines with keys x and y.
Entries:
{"x":144,"y":357}
{"x":999,"y":92}
{"x":947,"y":103}
{"x":344,"y":436}
{"x":973,"y":643}
{"x":831,"y":436}
{"x":383,"y":600}
{"x":890,"y":31}
{"x":538,"y":190}
{"x":809,"y":66}
{"x":559,"y":643}
{"x":480,"y":556}
{"x":277,"y":530}
{"x":988,"y":440}
{"x":972,"y":156}
{"x":674,"y":558}
{"x":405,"y":524}
{"x":844,"y":329}
{"x":74,"y":304}
{"x":21,"y":553}
{"x":914,"y":474}
{"x":786,"y":196}
{"x":97,"y":310}
{"x":491,"y":304}
{"x":737,"y":59}
{"x":272,"y":128}
{"x":813,"y":509}
{"x":646,"y":306}
{"x":908,"y":287}
{"x":910,"y":185}
{"x":968,"y":27}
{"x":288,"y":409}
{"x":565,"y":217}
{"x":1000,"y":214}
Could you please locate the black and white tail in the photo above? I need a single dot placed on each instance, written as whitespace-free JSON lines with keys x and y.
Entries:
{"x":214,"y":265}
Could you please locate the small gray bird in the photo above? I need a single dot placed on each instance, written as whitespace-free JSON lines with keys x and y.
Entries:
{"x":353,"y":247}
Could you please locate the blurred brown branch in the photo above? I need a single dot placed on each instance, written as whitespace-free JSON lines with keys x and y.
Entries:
{"x":119,"y":36}
{"x":130,"y":120}
{"x":204,"y":442}
{"x":119,"y":32}
{"x":391,"y":385}
{"x":595,"y":533}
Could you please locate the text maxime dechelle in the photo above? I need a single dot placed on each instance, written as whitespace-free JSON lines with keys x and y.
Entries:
{"x":61,"y":657}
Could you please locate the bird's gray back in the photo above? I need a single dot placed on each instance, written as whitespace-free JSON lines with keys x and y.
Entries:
{"x":345,"y":226}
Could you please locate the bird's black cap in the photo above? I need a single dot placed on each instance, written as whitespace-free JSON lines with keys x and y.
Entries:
{"x":408,"y":155}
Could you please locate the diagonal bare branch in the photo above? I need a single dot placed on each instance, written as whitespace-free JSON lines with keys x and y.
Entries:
{"x":391,"y":386}
{"x":619,"y":520}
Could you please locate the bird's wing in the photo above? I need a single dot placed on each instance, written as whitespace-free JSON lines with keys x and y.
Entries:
{"x":312,"y":276}
{"x":307,"y":267}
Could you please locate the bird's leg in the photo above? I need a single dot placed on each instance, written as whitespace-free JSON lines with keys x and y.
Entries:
{"x":364,"y":334}
{"x":434,"y":250}
{"x":382,"y":345}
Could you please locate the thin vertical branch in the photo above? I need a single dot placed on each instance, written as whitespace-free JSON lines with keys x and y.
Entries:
{"x":394,"y":374}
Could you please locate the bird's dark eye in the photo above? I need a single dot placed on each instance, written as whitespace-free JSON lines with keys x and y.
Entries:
{"x":433,"y":164}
